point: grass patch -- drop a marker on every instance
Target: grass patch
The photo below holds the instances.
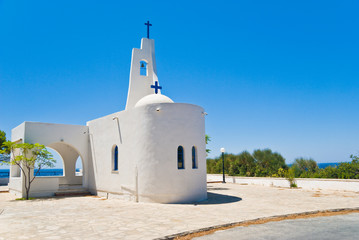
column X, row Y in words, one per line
column 20, row 199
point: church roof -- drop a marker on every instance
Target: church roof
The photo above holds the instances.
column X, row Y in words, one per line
column 153, row 98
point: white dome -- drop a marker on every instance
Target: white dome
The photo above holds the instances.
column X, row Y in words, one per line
column 153, row 98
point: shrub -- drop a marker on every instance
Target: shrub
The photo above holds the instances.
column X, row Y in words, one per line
column 290, row 176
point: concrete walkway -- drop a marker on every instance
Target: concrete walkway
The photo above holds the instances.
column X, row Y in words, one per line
column 97, row 218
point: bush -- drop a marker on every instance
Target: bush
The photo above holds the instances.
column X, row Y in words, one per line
column 290, row 176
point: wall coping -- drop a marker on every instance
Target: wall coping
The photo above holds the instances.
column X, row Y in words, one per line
column 297, row 179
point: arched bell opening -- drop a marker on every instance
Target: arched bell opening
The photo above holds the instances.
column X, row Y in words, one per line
column 143, row 68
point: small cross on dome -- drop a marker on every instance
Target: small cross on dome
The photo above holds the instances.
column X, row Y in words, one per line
column 156, row 87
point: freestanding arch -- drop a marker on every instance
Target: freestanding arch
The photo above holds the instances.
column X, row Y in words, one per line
column 69, row 155
column 70, row 141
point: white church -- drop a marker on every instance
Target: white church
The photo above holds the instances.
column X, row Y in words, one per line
column 153, row 151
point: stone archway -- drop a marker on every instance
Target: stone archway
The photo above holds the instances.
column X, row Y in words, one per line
column 69, row 155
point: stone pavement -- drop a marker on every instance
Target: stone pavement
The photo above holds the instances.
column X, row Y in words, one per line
column 343, row 227
column 97, row 218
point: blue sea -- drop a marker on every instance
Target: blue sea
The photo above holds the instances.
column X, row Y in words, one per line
column 4, row 173
column 322, row 165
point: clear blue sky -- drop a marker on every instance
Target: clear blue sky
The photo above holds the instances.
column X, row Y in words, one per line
column 270, row 74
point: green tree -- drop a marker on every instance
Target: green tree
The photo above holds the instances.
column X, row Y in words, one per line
column 268, row 162
column 3, row 157
column 2, row 138
column 349, row 170
column 28, row 157
column 208, row 139
column 305, row 167
column 242, row 164
column 328, row 172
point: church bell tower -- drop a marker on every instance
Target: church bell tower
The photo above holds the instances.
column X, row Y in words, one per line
column 143, row 74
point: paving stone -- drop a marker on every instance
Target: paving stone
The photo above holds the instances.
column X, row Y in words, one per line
column 94, row 218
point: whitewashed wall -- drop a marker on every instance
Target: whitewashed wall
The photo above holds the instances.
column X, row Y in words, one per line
column 148, row 137
column 304, row 183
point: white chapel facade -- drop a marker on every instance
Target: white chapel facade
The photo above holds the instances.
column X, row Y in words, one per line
column 153, row 151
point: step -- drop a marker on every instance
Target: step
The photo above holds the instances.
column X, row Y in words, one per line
column 82, row 189
column 72, row 193
column 72, row 190
column 70, row 186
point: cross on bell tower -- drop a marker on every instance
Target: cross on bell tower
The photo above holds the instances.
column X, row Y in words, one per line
column 148, row 28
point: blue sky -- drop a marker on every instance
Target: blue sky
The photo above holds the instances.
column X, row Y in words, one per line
column 270, row 74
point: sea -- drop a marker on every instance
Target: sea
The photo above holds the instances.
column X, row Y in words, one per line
column 4, row 173
column 323, row 165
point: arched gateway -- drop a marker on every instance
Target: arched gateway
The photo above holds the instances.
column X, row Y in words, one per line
column 70, row 141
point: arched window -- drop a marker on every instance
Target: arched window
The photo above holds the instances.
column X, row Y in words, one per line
column 194, row 157
column 115, row 158
column 180, row 158
column 143, row 68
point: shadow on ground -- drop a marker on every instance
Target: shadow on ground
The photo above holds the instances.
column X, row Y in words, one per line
column 217, row 188
column 215, row 198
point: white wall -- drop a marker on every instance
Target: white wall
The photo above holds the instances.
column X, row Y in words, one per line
column 15, row 186
column 305, row 183
column 44, row 186
column 162, row 131
column 148, row 141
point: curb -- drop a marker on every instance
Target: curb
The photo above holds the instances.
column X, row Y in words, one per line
column 252, row 221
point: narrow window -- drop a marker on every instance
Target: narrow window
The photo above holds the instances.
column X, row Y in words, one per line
column 115, row 159
column 180, row 159
column 143, row 68
column 194, row 157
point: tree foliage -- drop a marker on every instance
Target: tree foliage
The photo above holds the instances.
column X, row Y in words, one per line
column 268, row 162
column 28, row 157
column 265, row 163
column 3, row 157
column 207, row 139
column 260, row 164
column 2, row 138
column 304, row 167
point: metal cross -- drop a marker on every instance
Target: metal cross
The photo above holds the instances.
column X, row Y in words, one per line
column 156, row 87
column 148, row 28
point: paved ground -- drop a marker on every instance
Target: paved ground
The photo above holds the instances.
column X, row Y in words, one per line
column 320, row 228
column 96, row 218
